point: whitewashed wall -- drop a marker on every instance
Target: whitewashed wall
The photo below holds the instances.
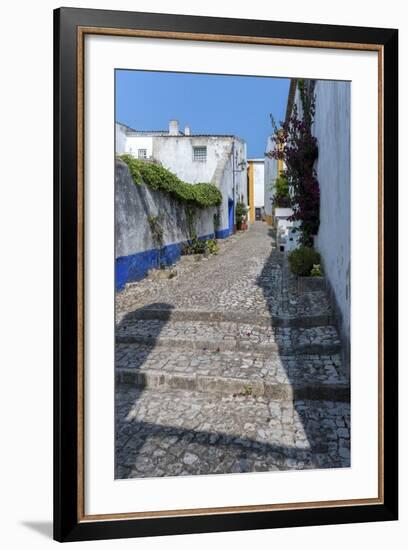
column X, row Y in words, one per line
column 176, row 154
column 270, row 175
column 120, row 138
column 332, row 130
column 135, row 249
column 135, row 203
column 259, row 184
column 226, row 187
column 331, row 127
column 134, row 143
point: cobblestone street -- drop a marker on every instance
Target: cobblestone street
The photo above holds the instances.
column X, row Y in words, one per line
column 228, row 368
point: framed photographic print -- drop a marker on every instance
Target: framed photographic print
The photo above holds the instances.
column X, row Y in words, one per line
column 225, row 274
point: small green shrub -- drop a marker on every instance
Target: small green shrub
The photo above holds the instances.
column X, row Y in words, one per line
column 157, row 177
column 281, row 198
column 212, row 246
column 195, row 246
column 316, row 271
column 200, row 246
column 302, row 259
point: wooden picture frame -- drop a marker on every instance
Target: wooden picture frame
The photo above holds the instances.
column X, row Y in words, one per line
column 70, row 27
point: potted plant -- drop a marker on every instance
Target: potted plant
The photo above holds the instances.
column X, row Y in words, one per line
column 305, row 263
column 240, row 215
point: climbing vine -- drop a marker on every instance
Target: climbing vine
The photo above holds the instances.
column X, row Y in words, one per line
column 202, row 195
column 297, row 147
column 157, row 232
column 191, row 215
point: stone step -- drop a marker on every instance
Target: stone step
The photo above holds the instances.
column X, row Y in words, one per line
column 165, row 314
column 224, row 336
column 178, row 432
column 233, row 373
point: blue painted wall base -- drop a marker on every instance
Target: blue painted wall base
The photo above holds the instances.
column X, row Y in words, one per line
column 223, row 233
column 136, row 266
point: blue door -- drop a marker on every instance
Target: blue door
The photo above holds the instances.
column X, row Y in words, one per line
column 230, row 216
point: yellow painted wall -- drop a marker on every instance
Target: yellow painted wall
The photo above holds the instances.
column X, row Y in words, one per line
column 280, row 166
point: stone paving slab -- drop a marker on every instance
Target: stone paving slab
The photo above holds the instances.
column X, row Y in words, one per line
column 247, row 275
column 227, row 316
column 228, row 336
column 186, row 433
column 282, row 368
column 240, row 371
column 229, row 372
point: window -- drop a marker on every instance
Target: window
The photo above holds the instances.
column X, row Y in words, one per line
column 200, row 154
column 142, row 153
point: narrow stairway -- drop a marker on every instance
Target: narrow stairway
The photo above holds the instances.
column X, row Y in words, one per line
column 201, row 389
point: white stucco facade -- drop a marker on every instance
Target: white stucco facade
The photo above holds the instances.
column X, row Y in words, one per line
column 225, row 164
column 331, row 127
column 127, row 141
column 259, row 183
column 332, row 130
column 120, row 138
column 217, row 159
column 176, row 153
column 270, row 175
column 140, row 146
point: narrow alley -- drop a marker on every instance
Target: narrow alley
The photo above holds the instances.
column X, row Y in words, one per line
column 227, row 367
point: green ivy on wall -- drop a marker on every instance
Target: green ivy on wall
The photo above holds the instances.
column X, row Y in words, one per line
column 191, row 216
column 203, row 195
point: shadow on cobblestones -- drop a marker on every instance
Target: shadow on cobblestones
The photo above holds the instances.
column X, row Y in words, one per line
column 328, row 438
column 162, row 451
column 140, row 358
column 228, row 369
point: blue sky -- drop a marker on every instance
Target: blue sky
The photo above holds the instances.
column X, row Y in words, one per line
column 210, row 104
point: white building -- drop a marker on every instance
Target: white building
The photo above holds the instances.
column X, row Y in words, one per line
column 287, row 238
column 331, row 127
column 270, row 175
column 194, row 158
column 274, row 167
